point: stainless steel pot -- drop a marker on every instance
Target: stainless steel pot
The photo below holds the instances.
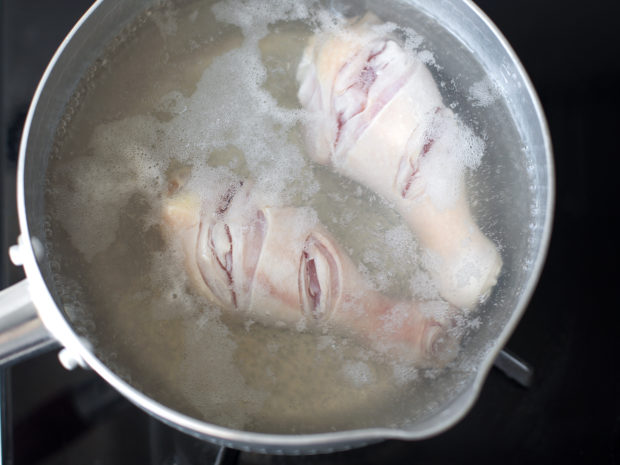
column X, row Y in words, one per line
column 31, row 317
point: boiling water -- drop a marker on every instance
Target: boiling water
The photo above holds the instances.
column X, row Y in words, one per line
column 211, row 87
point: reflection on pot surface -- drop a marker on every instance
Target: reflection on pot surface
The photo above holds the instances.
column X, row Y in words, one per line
column 371, row 199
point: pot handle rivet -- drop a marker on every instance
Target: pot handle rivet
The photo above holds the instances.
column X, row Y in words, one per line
column 15, row 254
column 68, row 360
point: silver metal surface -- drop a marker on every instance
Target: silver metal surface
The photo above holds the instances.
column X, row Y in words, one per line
column 22, row 333
column 81, row 48
column 515, row 368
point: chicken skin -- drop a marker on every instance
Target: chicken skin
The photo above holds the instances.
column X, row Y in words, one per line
column 279, row 266
column 375, row 115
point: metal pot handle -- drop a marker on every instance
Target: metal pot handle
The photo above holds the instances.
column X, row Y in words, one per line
column 22, row 333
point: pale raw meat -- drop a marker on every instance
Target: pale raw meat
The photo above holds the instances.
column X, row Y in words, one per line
column 376, row 116
column 279, row 266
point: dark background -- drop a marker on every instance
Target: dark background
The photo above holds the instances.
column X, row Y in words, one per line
column 569, row 333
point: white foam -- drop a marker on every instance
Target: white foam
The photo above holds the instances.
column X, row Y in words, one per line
column 456, row 148
column 402, row 244
column 423, row 286
column 122, row 164
column 254, row 17
column 358, row 373
column 483, row 93
column 404, row 374
column 231, row 109
column 426, row 57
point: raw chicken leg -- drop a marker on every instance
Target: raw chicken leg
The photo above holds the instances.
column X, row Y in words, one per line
column 376, row 116
column 279, row 266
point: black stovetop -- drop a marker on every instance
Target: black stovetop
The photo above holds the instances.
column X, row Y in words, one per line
column 571, row 413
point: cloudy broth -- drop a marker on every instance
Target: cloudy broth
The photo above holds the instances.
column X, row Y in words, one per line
column 210, row 88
